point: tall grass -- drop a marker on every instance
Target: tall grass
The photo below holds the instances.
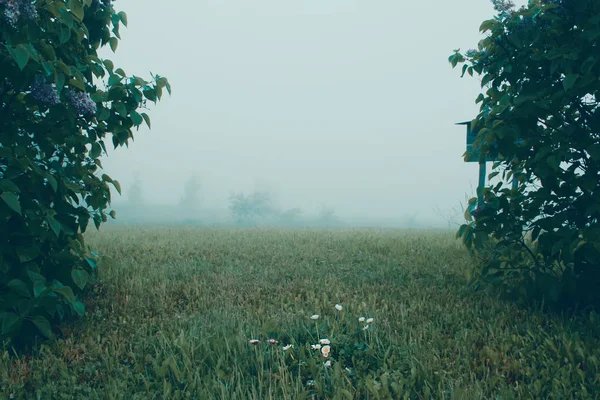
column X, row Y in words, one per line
column 176, row 308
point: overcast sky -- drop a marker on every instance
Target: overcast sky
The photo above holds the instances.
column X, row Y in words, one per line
column 346, row 103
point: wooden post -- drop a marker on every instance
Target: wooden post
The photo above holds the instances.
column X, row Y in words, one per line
column 481, row 184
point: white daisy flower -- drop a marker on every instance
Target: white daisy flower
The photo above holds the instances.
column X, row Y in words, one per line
column 324, row 341
column 315, row 317
column 361, row 319
column 326, row 351
column 338, row 307
column 369, row 320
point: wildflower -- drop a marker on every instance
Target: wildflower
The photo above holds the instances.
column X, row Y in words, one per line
column 324, row 341
column 315, row 317
column 361, row 319
column 338, row 307
column 272, row 341
column 328, row 363
column 43, row 91
column 365, row 327
column 254, row 341
column 287, row 347
column 369, row 320
column 82, row 102
column 315, row 346
column 310, row 383
column 326, row 350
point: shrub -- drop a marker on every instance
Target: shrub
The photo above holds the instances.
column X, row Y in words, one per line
column 59, row 102
column 540, row 120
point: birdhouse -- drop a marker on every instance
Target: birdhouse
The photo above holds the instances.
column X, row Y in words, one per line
column 472, row 153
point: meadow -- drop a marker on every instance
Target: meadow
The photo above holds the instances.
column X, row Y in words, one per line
column 176, row 309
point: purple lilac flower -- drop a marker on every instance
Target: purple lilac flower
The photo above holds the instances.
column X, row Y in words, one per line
column 503, row 6
column 44, row 91
column 13, row 9
column 28, row 9
column 82, row 102
column 11, row 13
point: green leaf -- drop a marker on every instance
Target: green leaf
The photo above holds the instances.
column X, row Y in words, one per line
column 60, row 81
column 54, row 225
column 76, row 7
column 114, row 79
column 39, row 287
column 553, row 161
column 19, row 287
column 147, row 119
column 52, row 181
column 80, row 277
column 594, row 151
column 136, row 118
column 114, row 43
column 21, row 56
column 120, row 108
column 123, row 17
column 11, row 323
column 12, row 201
column 117, row 186
column 42, row 325
column 48, row 68
column 8, row 185
column 27, row 254
column 587, row 65
column 150, row 94
column 96, row 150
column 78, row 84
column 67, row 293
column 91, row 262
column 79, row 308
column 487, row 25
column 461, row 231
column 64, row 68
column 109, row 65
column 64, row 34
column 113, row 214
column 569, row 81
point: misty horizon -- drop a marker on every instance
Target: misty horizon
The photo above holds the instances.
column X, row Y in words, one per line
column 340, row 104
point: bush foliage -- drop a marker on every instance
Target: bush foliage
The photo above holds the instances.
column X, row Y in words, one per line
column 540, row 120
column 59, row 102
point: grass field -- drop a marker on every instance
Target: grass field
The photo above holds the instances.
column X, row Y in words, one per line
column 177, row 308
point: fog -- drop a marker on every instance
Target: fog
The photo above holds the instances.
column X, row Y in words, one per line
column 339, row 106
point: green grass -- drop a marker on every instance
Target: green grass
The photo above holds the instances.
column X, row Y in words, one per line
column 177, row 307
